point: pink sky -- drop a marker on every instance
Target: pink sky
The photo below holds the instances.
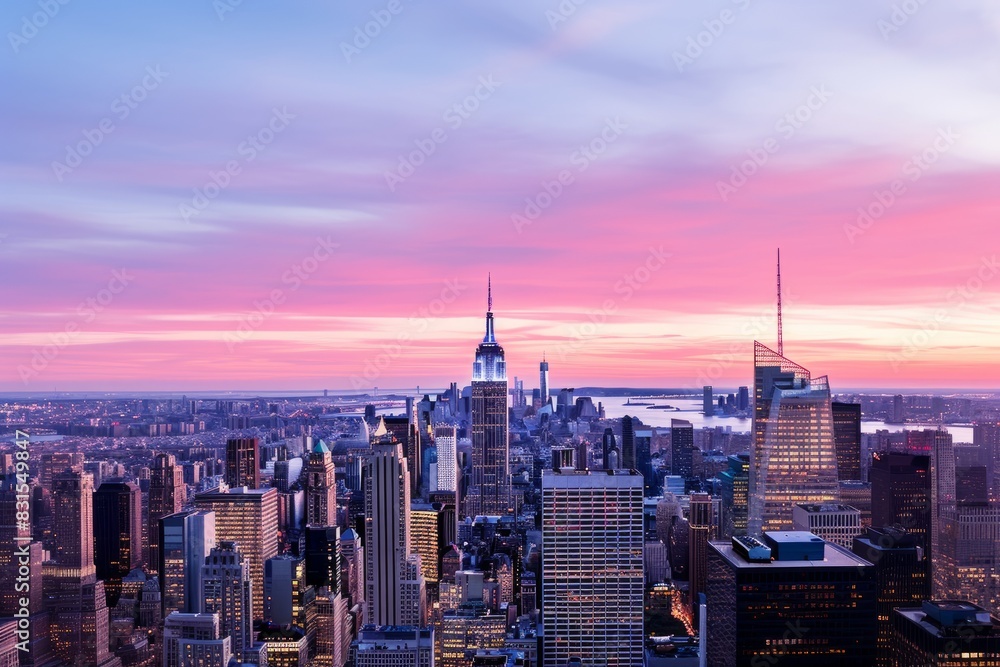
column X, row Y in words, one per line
column 909, row 300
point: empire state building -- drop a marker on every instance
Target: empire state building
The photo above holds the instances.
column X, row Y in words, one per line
column 489, row 493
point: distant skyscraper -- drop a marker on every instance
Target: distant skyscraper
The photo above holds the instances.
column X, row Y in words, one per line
column 321, row 487
column 611, row 456
column 763, row 610
column 735, row 483
column 404, row 429
column 248, row 517
column 447, row 458
column 943, row 506
column 701, row 529
column 794, row 458
column 167, row 495
column 322, row 556
column 490, row 490
column 592, row 568
column 901, row 493
column 847, row 436
column 186, row 538
column 543, row 382
column 900, row 578
column 681, row 446
column 242, row 468
column 743, row 399
column 707, row 404
column 117, row 534
column 226, row 591
column 898, row 413
column 73, row 528
column 986, row 437
column 629, row 458
column 394, row 586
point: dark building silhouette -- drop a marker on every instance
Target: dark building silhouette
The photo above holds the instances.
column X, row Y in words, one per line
column 117, row 535
column 681, row 446
column 629, row 461
column 946, row 632
column 847, row 438
column 762, row 603
column 901, row 493
column 902, row 578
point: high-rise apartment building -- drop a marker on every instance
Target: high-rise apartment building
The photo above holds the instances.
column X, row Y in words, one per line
column 446, row 441
column 681, row 448
column 735, row 483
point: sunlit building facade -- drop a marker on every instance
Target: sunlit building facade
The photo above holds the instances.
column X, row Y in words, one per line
column 248, row 517
column 794, row 457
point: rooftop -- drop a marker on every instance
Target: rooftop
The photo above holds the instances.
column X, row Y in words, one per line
column 826, row 507
column 834, row 556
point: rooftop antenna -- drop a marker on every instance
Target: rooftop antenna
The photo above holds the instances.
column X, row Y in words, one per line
column 489, row 292
column 781, row 344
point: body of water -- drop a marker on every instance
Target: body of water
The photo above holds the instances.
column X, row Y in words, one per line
column 690, row 409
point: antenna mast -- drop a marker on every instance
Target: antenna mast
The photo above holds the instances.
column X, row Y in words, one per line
column 781, row 345
column 489, row 292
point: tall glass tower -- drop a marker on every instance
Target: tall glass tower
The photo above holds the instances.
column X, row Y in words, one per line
column 794, row 457
column 490, row 490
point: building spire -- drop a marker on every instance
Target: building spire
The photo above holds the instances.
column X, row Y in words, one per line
column 781, row 344
column 490, row 336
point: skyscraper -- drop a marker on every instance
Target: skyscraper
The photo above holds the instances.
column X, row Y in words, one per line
column 945, row 633
column 248, row 517
column 242, row 468
column 628, row 448
column 681, row 444
column 847, row 436
column 186, row 538
column 447, row 458
column 321, row 487
column 900, row 578
column 227, row 592
column 763, row 604
column 794, row 458
column 901, row 493
column 167, row 495
column 943, row 505
column 735, row 483
column 490, row 490
column 75, row 598
column 117, row 534
column 707, row 404
column 543, row 382
column 701, row 529
column 394, row 585
column 592, row 567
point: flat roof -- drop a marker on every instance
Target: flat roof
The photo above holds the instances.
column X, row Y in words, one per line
column 834, row 556
column 826, row 507
column 793, row 536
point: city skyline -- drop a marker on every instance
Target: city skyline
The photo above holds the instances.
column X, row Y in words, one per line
column 651, row 112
